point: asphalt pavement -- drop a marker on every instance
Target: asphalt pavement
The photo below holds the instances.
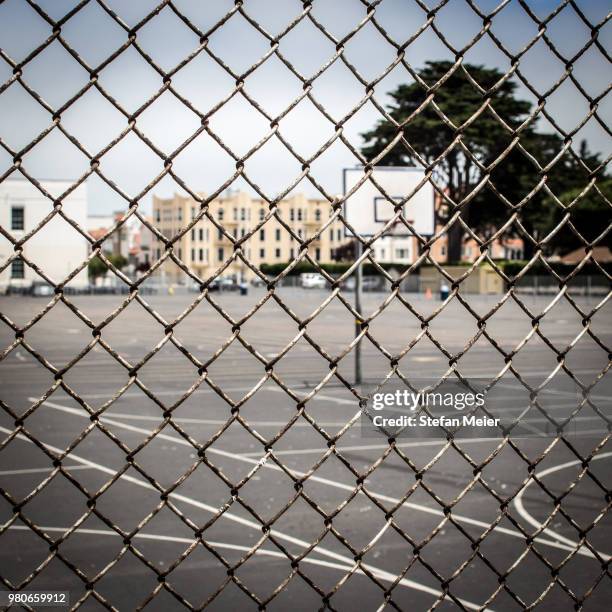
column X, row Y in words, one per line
column 201, row 461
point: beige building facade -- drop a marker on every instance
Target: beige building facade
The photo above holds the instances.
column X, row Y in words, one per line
column 204, row 248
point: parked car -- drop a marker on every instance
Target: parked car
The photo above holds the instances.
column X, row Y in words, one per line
column 213, row 286
column 227, row 283
column 258, row 282
column 312, row 280
column 368, row 283
column 41, row 289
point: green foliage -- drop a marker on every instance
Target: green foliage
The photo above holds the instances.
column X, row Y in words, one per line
column 334, row 269
column 97, row 267
column 590, row 215
column 510, row 268
column 458, row 99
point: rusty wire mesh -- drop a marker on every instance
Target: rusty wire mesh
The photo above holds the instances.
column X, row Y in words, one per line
column 413, row 548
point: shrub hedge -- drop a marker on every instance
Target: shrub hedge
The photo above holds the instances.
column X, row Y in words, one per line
column 511, row 268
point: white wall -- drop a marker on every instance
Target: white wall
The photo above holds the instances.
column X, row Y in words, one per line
column 57, row 248
column 95, row 222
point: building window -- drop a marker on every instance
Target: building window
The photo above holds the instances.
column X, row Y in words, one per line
column 511, row 253
column 235, row 232
column 331, row 235
column 292, row 214
column 220, row 234
column 192, row 254
column 158, row 253
column 201, row 234
column 278, row 235
column 207, row 235
column 299, row 214
column 201, row 254
column 17, row 218
column 179, row 214
column 383, row 254
column 299, row 232
column 317, row 214
column 18, row 268
column 401, row 253
column 193, row 212
column 180, row 253
column 262, row 214
column 192, row 235
column 291, row 253
column 220, row 254
column 318, row 254
column 262, row 234
column 443, row 250
column 277, row 253
column 242, row 232
column 262, row 253
column 220, row 214
column 339, row 235
column 243, row 214
column 235, row 214
column 158, row 216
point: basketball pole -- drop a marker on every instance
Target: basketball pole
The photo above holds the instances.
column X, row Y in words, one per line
column 358, row 321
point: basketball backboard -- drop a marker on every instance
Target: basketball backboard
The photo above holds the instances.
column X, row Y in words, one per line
column 367, row 210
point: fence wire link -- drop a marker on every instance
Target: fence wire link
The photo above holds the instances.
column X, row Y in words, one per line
column 414, row 549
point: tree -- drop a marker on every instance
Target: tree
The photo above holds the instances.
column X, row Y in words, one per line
column 514, row 176
column 97, row 267
column 570, row 175
column 590, row 215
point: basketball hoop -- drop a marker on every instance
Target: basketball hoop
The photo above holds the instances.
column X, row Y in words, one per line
column 370, row 205
column 397, row 228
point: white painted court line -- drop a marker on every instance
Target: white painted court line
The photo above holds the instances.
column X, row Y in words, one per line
column 327, row 398
column 325, row 481
column 180, row 540
column 42, row 469
column 205, row 391
column 382, row 574
column 365, row 447
column 520, row 507
column 331, row 398
column 19, row 355
column 144, row 417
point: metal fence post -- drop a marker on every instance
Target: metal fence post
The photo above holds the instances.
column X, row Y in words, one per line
column 358, row 289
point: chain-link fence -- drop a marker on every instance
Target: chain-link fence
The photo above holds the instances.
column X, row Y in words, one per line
column 501, row 169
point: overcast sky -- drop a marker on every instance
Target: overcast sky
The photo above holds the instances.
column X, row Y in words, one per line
column 56, row 76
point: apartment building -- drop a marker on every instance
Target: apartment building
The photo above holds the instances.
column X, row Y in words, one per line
column 205, row 248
